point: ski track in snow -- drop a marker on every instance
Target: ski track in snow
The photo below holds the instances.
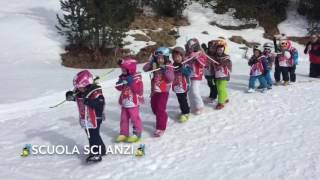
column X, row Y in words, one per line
column 270, row 136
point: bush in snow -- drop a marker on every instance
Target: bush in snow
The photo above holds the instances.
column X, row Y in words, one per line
column 268, row 13
column 95, row 24
column 170, row 8
column 310, row 9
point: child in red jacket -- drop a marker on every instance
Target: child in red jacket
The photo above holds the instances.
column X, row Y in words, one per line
column 131, row 86
column 181, row 82
column 198, row 64
column 161, row 82
column 90, row 101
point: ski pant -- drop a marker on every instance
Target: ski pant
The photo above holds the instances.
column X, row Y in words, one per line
column 183, row 102
column 314, row 70
column 132, row 114
column 213, row 89
column 268, row 78
column 159, row 107
column 285, row 74
column 292, row 73
column 262, row 80
column 222, row 91
column 195, row 96
column 96, row 140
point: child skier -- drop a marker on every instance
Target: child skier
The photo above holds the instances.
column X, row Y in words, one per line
column 284, row 61
column 222, row 73
column 193, row 49
column 181, row 82
column 267, row 52
column 209, row 72
column 131, row 86
column 90, row 101
column 258, row 64
column 286, row 46
column 161, row 82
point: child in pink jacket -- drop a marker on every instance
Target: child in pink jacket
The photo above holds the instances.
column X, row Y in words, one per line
column 131, row 86
column 160, row 86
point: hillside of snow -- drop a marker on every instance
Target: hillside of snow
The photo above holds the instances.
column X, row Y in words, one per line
column 266, row 136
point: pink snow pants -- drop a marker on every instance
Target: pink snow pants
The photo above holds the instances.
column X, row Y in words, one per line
column 132, row 114
column 159, row 107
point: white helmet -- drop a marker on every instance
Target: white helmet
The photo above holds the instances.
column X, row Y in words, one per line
column 268, row 45
column 257, row 47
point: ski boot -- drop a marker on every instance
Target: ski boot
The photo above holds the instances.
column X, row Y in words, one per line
column 121, row 138
column 198, row 111
column 251, row 90
column 219, row 106
column 133, row 139
column 184, row 118
column 94, row 158
column 278, row 83
column 158, row 133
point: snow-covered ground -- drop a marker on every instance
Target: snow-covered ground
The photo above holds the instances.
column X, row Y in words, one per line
column 294, row 19
column 270, row 136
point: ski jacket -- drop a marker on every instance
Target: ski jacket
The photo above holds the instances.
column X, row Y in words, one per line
column 91, row 106
column 131, row 94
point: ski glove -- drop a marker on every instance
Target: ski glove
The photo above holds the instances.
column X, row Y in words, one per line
column 70, row 96
column 129, row 80
column 186, row 71
column 119, row 82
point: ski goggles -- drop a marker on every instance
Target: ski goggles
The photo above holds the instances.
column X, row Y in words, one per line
column 284, row 44
column 158, row 53
column 267, row 49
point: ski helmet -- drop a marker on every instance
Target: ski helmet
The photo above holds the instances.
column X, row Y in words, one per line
column 162, row 51
column 257, row 47
column 128, row 63
column 220, row 43
column 192, row 45
column 285, row 44
column 179, row 50
column 83, row 79
column 268, row 46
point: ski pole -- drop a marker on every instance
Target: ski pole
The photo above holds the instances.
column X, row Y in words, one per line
column 95, row 80
column 86, row 121
column 103, row 75
column 62, row 102
column 211, row 59
column 117, row 85
column 187, row 60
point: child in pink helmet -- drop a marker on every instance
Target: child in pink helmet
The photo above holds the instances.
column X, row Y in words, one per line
column 131, row 86
column 90, row 101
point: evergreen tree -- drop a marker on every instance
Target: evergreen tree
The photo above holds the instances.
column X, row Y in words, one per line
column 73, row 24
column 170, row 8
column 311, row 9
column 96, row 24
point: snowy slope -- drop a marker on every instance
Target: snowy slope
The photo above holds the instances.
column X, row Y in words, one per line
column 267, row 136
column 294, row 19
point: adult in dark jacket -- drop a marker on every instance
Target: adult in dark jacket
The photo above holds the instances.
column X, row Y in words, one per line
column 313, row 49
